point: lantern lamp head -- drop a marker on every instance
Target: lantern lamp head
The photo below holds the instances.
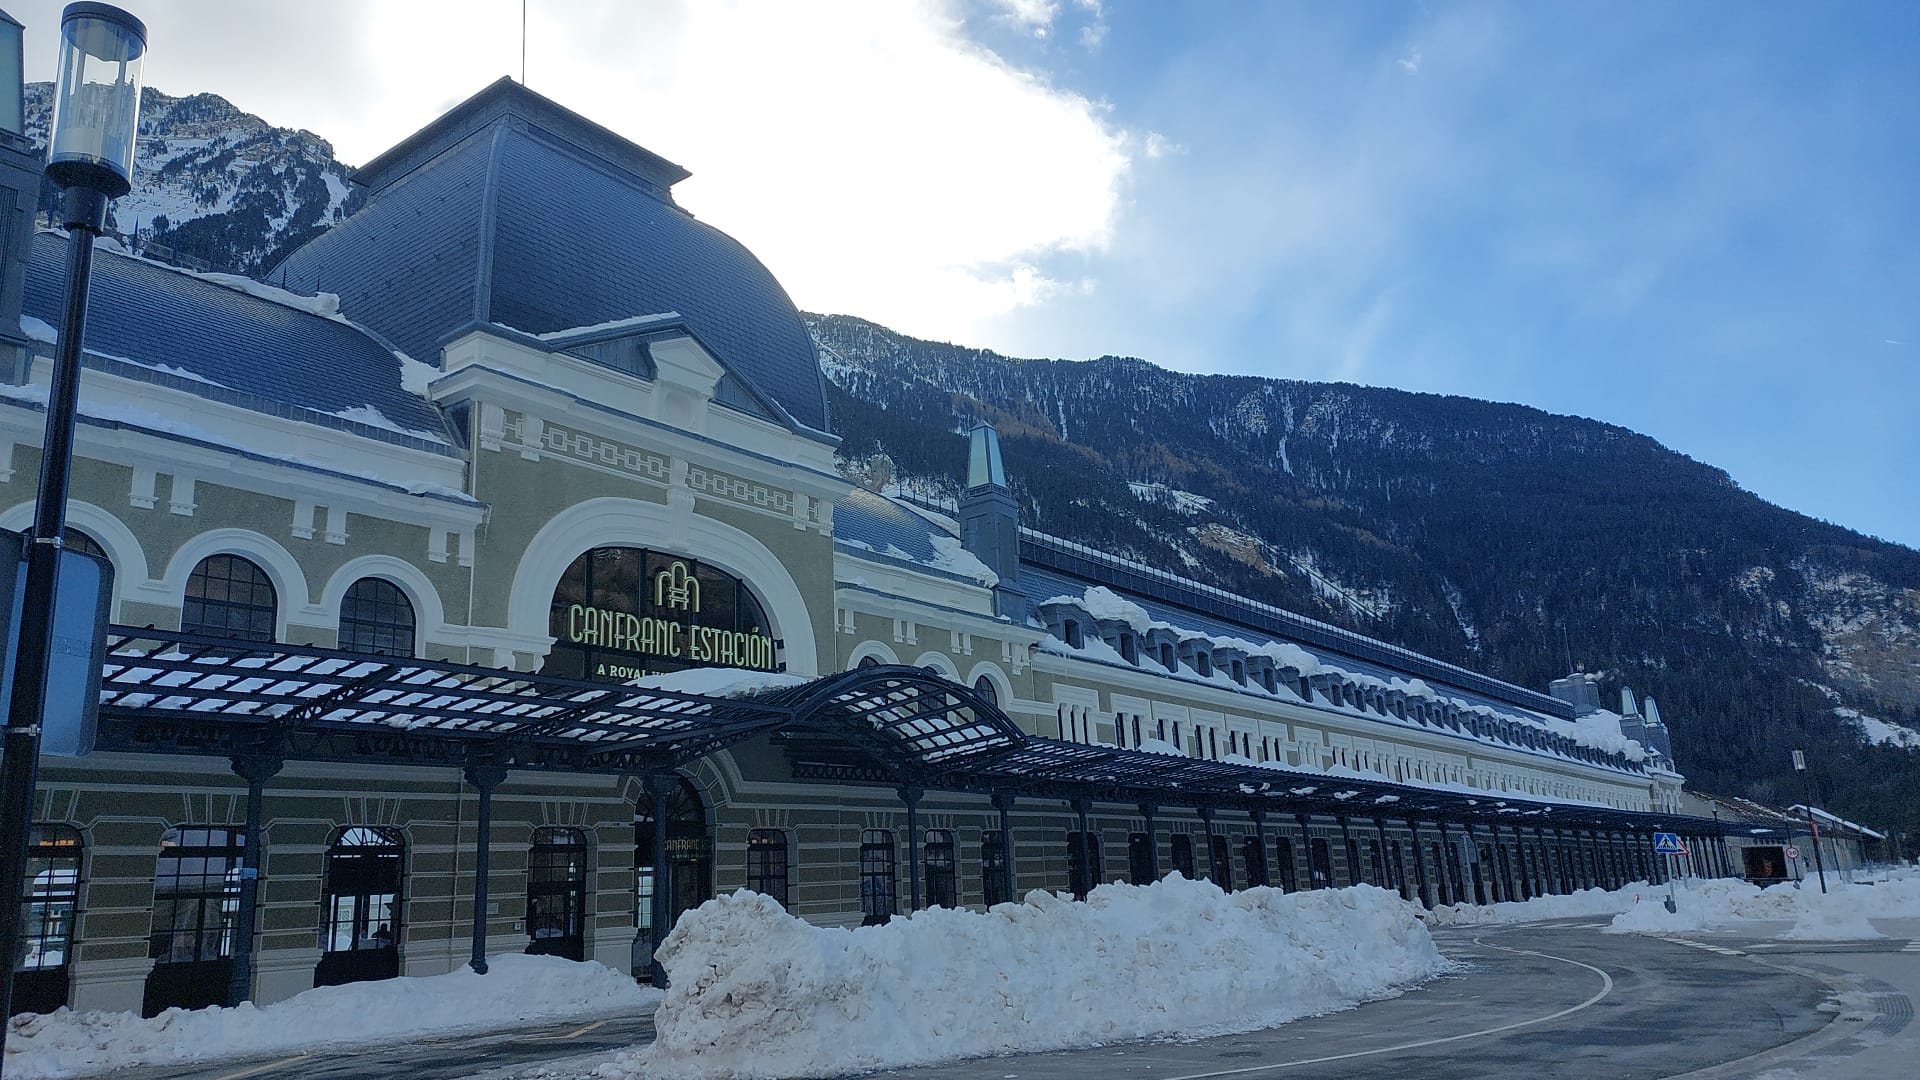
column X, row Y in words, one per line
column 96, row 100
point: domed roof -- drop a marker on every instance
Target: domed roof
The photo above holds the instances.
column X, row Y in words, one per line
column 513, row 210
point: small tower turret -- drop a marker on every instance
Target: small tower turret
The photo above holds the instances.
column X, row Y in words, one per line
column 990, row 521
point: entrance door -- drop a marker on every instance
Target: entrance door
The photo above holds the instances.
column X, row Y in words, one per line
column 196, row 897
column 41, row 979
column 360, row 916
column 688, row 877
column 557, row 893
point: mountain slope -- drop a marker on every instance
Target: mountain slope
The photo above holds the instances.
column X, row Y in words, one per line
column 216, row 188
column 1499, row 536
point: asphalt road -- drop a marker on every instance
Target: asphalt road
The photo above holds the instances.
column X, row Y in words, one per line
column 1555, row 1000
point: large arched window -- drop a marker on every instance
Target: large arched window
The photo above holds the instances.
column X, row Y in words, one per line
column 993, row 868
column 229, row 597
column 42, row 977
column 878, row 884
column 376, row 617
column 942, row 888
column 767, row 864
column 1182, row 847
column 557, row 893
column 85, row 545
column 360, row 917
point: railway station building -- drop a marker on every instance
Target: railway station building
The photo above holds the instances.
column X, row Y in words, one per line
column 487, row 585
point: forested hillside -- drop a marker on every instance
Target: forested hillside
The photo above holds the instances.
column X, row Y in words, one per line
column 1498, row 536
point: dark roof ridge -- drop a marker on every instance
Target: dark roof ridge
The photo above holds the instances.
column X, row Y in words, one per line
column 503, row 99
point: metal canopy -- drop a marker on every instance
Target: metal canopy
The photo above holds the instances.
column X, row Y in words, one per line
column 171, row 692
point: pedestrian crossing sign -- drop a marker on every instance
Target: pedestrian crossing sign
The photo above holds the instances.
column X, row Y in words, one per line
column 1666, row 843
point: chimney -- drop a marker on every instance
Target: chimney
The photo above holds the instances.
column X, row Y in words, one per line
column 990, row 521
column 1578, row 690
column 20, row 169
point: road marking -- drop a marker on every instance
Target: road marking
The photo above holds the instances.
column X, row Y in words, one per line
column 1606, row 987
column 574, row 1034
column 266, row 1068
column 1911, row 946
column 1707, row 945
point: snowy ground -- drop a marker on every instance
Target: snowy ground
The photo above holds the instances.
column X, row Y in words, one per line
column 516, row 990
column 758, row 993
column 1842, row 913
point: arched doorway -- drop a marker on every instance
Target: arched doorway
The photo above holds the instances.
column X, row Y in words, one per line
column 360, row 913
column 688, row 876
column 557, row 893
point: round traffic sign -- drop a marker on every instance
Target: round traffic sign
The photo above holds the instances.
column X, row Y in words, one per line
column 1793, row 853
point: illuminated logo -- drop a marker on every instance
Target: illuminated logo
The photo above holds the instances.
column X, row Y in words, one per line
column 676, row 587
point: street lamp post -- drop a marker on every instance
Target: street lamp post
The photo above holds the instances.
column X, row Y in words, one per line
column 1813, row 827
column 96, row 111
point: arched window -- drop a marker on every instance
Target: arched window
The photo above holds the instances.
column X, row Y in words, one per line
column 229, row 597
column 557, row 893
column 942, row 888
column 42, row 977
column 878, row 884
column 1283, row 856
column 376, row 617
column 360, row 915
column 869, row 661
column 985, row 688
column 767, row 864
column 85, row 545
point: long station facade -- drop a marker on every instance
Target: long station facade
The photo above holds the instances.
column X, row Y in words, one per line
column 487, row 585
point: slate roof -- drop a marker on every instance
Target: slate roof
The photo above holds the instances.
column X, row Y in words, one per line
column 513, row 210
column 258, row 353
column 881, row 523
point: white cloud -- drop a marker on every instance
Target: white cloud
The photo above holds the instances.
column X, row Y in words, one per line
column 877, row 160
column 1036, row 16
column 1410, row 63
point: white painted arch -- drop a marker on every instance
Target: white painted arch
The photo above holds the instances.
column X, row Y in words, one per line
column 938, row 663
column 616, row 522
column 429, row 614
column 122, row 547
column 289, row 580
column 879, row 652
column 1002, row 686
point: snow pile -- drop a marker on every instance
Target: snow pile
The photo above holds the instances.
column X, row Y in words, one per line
column 1840, row 914
column 722, row 682
column 1585, row 903
column 518, row 990
column 757, row 992
column 949, row 555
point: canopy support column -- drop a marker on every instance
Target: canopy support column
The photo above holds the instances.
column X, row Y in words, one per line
column 659, row 786
column 1206, row 830
column 1420, row 866
column 910, row 795
column 256, row 770
column 484, row 779
column 1003, row 802
column 1084, row 845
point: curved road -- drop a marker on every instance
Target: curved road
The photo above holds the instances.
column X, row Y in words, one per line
column 1554, row 1000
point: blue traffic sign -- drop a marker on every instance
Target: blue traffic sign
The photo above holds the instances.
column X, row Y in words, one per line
column 1666, row 843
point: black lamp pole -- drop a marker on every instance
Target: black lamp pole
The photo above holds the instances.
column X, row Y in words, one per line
column 99, row 78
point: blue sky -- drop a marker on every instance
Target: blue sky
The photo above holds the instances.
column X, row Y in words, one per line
column 1694, row 220
column 1698, row 221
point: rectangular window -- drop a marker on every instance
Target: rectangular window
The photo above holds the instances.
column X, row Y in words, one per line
column 767, row 864
column 1255, row 857
column 993, row 867
column 1183, row 855
column 196, row 894
column 1139, row 859
column 878, row 883
column 1283, row 855
column 1321, row 856
column 1083, row 863
column 1222, row 863
column 941, row 884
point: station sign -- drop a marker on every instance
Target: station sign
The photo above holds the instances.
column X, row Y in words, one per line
column 622, row 613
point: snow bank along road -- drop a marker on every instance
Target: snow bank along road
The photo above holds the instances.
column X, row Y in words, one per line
column 1560, row 1000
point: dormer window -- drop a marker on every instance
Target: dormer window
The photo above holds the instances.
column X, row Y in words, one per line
column 1167, row 659
column 1128, row 651
column 1240, row 672
column 1267, row 680
column 1203, row 664
column 627, row 355
column 1071, row 628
